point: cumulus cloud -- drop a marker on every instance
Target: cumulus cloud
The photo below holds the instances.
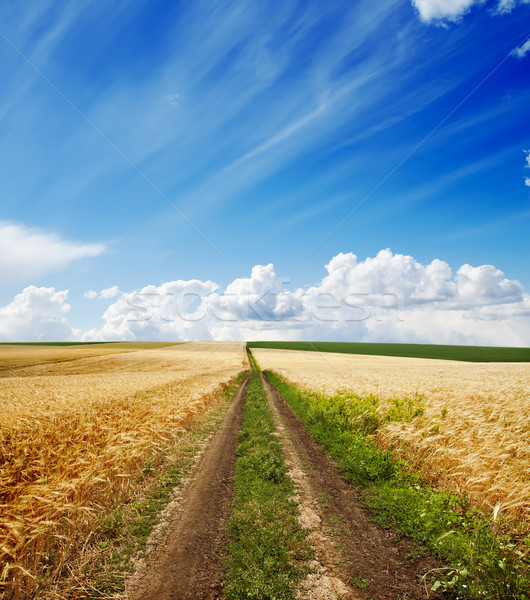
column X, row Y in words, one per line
column 484, row 286
column 37, row 314
column 29, row 253
column 105, row 294
column 172, row 311
column 454, row 10
column 388, row 297
column 110, row 292
column 450, row 10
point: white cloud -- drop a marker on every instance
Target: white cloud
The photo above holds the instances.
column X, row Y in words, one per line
column 172, row 311
column 173, row 99
column 453, row 10
column 110, row 292
column 37, row 314
column 439, row 10
column 105, row 294
column 522, row 50
column 527, row 181
column 29, row 253
column 485, row 285
column 506, row 6
column 389, row 297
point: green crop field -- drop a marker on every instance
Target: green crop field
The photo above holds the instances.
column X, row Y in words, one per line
column 469, row 353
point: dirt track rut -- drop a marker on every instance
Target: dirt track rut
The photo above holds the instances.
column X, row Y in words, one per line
column 186, row 564
column 349, row 547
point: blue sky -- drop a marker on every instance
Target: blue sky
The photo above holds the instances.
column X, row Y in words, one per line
column 161, row 141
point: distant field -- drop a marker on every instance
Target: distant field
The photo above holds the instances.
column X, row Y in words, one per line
column 52, row 343
column 139, row 344
column 469, row 353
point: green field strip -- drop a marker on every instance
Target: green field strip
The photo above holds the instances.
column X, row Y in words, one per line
column 463, row 353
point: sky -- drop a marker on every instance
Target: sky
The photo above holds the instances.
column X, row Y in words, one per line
column 241, row 170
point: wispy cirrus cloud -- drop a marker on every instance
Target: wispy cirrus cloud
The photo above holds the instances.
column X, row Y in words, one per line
column 522, row 50
column 506, row 6
column 229, row 74
column 29, row 253
column 219, row 155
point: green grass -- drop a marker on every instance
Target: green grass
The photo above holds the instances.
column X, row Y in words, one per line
column 469, row 353
column 481, row 562
column 253, row 364
column 268, row 549
column 359, row 582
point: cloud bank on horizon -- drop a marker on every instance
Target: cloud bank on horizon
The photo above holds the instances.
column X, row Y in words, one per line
column 389, row 298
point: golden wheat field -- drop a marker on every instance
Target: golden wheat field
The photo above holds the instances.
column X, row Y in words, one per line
column 474, row 436
column 76, row 423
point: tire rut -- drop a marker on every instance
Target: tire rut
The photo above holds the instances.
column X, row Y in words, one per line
column 186, row 564
column 323, row 583
column 348, row 545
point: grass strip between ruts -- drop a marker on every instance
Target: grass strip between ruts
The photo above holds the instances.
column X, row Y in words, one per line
column 268, row 549
column 253, row 363
column 481, row 561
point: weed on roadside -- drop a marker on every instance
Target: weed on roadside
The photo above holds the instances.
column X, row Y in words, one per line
column 359, row 582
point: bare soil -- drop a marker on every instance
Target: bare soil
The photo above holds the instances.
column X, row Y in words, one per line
column 187, row 563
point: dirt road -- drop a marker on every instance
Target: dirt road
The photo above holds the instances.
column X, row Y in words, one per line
column 354, row 558
column 186, row 564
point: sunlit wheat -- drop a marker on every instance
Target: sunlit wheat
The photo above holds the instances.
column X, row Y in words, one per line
column 77, row 428
column 474, row 436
